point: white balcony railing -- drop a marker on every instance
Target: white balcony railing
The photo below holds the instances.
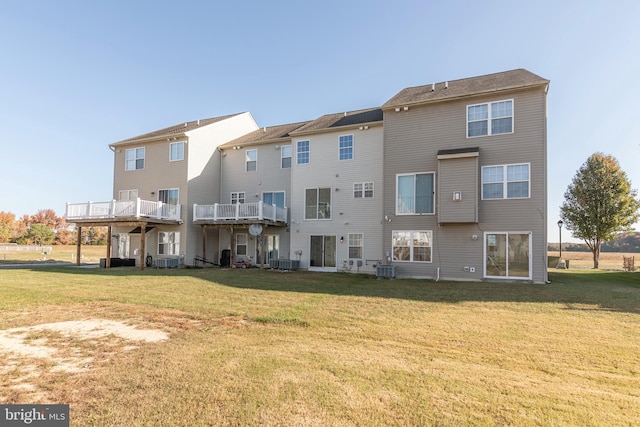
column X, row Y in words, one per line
column 119, row 209
column 239, row 211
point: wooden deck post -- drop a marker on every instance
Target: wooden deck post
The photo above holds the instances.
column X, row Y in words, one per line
column 108, row 261
column 78, row 251
column 204, row 242
column 143, row 238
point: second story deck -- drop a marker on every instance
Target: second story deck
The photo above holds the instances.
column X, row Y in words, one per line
column 240, row 213
column 123, row 210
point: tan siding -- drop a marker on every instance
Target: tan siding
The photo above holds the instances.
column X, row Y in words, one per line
column 458, row 175
column 412, row 140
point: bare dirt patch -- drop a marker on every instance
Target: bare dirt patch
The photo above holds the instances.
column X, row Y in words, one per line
column 68, row 347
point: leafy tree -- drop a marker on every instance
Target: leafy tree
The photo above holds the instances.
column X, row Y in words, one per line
column 40, row 234
column 7, row 227
column 599, row 203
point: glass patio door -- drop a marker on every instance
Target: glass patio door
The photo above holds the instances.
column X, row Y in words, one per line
column 508, row 255
column 323, row 253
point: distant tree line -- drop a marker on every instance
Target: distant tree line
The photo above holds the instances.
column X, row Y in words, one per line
column 624, row 242
column 46, row 228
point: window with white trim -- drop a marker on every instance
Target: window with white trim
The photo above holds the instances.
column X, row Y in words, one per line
column 285, row 156
column 412, row 245
column 176, row 151
column 169, row 196
column 303, row 152
column 168, row 243
column 127, row 195
column 237, row 197
column 273, row 198
column 346, row 147
column 415, row 193
column 251, row 160
column 505, row 182
column 317, row 203
column 362, row 190
column 134, row 158
column 356, row 245
column 241, row 244
column 490, row 119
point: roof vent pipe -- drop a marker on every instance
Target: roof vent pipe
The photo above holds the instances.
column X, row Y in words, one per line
column 198, row 122
column 264, row 129
column 345, row 114
column 433, row 87
column 446, row 85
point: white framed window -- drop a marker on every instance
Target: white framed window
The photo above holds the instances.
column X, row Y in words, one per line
column 168, row 243
column 490, row 119
column 356, row 245
column 507, row 254
column 127, row 195
column 251, row 160
column 176, row 151
column 169, row 196
column 285, row 156
column 412, row 245
column 317, row 203
column 362, row 190
column 415, row 193
column 303, row 153
column 274, row 198
column 134, row 158
column 346, row 147
column 506, row 182
column 237, row 197
column 241, row 244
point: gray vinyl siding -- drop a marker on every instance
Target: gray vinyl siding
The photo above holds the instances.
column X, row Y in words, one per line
column 458, row 175
column 412, row 140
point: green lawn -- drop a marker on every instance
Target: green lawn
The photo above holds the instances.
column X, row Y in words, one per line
column 251, row 347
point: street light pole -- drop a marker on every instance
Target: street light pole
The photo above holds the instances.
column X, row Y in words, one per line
column 560, row 233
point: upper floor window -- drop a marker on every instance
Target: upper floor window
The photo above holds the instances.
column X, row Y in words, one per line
column 412, row 246
column 285, row 156
column 176, row 151
column 490, row 119
column 126, row 195
column 505, row 181
column 251, row 160
column 356, row 245
column 303, row 152
column 237, row 197
column 169, row 196
column 346, row 147
column 274, row 198
column 362, row 190
column 317, row 203
column 134, row 158
column 415, row 193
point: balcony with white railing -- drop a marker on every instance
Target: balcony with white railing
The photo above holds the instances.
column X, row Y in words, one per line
column 239, row 212
column 122, row 209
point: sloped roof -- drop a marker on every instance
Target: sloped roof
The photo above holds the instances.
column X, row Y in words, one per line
column 265, row 135
column 505, row 80
column 348, row 118
column 179, row 129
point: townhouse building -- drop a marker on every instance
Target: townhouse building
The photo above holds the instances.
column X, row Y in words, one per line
column 443, row 181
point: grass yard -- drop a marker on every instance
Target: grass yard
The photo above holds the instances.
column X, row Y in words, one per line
column 59, row 253
column 251, row 347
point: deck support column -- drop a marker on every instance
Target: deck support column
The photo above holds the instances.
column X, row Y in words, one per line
column 108, row 260
column 204, row 242
column 79, row 243
column 143, row 238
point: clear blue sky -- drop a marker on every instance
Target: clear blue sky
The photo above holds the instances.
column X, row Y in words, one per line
column 78, row 75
